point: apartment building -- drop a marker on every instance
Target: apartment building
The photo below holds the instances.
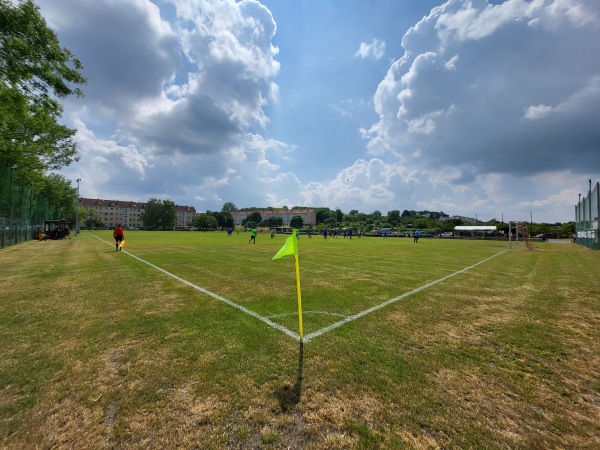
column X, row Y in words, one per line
column 128, row 213
column 309, row 216
column 185, row 215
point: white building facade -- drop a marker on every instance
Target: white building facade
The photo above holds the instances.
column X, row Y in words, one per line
column 308, row 215
column 128, row 213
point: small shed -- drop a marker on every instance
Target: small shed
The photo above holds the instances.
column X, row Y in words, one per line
column 54, row 229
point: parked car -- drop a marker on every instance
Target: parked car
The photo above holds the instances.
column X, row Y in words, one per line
column 447, row 234
column 545, row 236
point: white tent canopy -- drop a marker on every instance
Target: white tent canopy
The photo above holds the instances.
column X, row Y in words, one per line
column 475, row 228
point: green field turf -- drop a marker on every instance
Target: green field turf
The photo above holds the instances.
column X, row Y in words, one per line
column 340, row 277
column 190, row 340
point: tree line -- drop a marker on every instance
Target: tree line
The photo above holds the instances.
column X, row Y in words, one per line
column 162, row 215
column 36, row 74
column 435, row 221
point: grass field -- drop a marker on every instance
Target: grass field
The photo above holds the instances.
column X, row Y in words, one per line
column 190, row 340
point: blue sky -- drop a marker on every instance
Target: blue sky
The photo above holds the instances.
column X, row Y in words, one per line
column 474, row 108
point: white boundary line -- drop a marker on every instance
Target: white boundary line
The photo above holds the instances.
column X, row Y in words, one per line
column 322, row 331
column 305, row 313
column 333, row 326
column 281, row 328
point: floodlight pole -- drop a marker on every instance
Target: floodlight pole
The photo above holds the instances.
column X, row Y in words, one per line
column 77, row 209
column 589, row 202
column 336, row 225
column 578, row 220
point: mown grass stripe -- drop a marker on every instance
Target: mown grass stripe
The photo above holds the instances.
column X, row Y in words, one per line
column 333, row 326
column 212, row 294
column 317, row 333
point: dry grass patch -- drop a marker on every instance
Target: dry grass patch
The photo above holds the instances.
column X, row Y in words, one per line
column 486, row 402
column 516, row 421
column 104, row 351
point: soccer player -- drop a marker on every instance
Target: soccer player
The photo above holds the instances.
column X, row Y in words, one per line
column 119, row 235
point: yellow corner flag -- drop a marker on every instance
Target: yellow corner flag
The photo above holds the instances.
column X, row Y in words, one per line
column 291, row 248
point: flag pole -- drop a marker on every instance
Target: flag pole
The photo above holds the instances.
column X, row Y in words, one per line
column 291, row 247
column 299, row 295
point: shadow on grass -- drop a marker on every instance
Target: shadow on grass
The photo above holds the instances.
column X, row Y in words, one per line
column 289, row 396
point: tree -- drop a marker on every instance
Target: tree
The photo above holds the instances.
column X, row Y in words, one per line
column 362, row 217
column 205, row 221
column 151, row 214
column 168, row 216
column 393, row 216
column 567, row 230
column 31, row 141
column 254, row 217
column 227, row 218
column 451, row 223
column 330, row 222
column 297, row 222
column 217, row 216
column 272, row 221
column 224, row 219
column 91, row 218
column 35, row 73
column 33, row 59
column 423, row 223
column 61, row 195
column 322, row 214
column 228, row 207
column 159, row 215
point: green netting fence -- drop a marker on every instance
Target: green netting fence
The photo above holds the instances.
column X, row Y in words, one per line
column 587, row 212
column 22, row 209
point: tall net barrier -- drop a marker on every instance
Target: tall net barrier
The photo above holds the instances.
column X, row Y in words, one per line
column 22, row 209
column 587, row 212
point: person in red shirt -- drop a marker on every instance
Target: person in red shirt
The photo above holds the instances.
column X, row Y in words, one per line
column 119, row 236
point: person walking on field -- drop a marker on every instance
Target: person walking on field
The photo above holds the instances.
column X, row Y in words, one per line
column 417, row 236
column 119, row 236
column 252, row 236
